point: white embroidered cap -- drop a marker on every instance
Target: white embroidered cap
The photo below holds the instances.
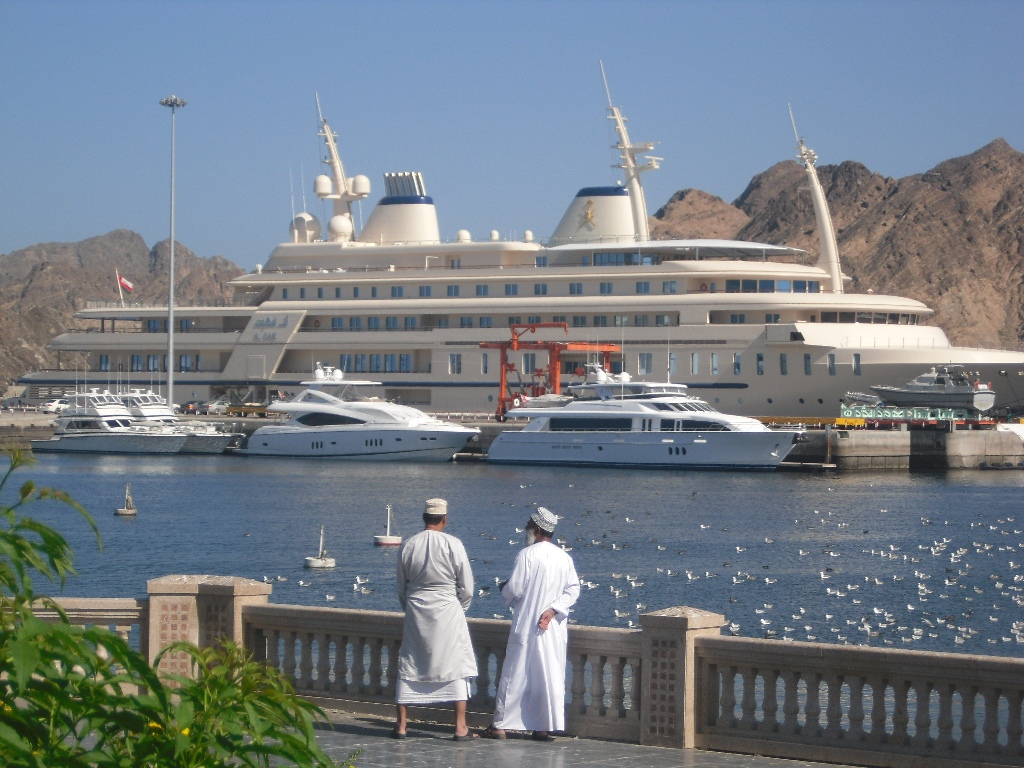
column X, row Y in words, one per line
column 545, row 519
column 436, row 507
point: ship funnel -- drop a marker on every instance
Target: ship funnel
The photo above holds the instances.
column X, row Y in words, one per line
column 597, row 215
column 405, row 215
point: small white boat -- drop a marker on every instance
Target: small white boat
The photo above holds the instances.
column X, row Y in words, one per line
column 387, row 540
column 128, row 510
column 321, row 560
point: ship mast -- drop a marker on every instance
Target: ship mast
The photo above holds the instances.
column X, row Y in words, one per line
column 629, row 151
column 342, row 191
column 828, row 256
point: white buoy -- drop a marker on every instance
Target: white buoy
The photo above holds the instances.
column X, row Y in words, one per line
column 387, row 540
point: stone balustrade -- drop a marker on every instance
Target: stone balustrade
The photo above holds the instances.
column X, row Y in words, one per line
column 675, row 682
column 868, row 706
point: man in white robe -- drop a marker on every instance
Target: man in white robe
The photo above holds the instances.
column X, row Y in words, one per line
column 435, row 587
column 542, row 589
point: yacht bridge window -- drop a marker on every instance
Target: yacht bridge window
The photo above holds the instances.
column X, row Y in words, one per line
column 327, row 420
column 590, row 424
column 691, row 425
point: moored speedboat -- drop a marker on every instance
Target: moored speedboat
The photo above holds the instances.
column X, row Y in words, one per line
column 614, row 421
column 348, row 425
column 948, row 386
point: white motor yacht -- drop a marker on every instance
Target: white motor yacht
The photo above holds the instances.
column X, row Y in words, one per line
column 98, row 422
column 614, row 421
column 148, row 407
column 348, row 425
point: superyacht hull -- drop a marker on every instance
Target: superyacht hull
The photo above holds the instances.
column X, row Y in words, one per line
column 712, row 450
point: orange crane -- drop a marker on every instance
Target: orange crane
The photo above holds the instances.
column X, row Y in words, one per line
column 551, row 375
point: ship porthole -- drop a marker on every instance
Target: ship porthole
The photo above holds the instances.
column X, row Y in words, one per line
column 769, row 400
column 820, row 401
column 801, row 401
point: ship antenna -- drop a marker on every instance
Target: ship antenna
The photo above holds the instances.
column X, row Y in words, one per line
column 291, row 189
column 340, row 192
column 828, row 257
column 629, row 152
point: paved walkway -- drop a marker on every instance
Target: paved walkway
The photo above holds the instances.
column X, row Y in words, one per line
column 430, row 745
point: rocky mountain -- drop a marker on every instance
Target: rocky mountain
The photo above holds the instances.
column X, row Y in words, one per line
column 42, row 286
column 952, row 237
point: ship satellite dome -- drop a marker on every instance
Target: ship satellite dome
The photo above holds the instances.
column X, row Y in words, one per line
column 323, row 186
column 337, row 374
column 318, row 374
column 340, row 227
column 494, row 235
column 305, row 228
column 259, row 269
column 528, row 236
column 463, row 236
column 359, row 185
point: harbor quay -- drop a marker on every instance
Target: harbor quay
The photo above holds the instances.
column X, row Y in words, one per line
column 674, row 686
column 829, row 444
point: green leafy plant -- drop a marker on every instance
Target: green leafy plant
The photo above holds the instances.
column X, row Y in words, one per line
column 80, row 696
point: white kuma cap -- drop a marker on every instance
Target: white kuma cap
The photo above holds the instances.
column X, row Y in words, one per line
column 436, row 507
column 545, row 519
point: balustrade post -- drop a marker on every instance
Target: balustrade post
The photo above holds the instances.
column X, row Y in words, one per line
column 202, row 610
column 669, row 677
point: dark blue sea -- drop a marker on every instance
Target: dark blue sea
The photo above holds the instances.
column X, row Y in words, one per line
column 918, row 561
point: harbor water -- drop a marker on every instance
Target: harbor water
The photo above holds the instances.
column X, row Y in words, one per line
column 916, row 561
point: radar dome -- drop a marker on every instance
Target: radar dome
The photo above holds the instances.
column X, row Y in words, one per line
column 340, row 227
column 360, row 185
column 305, row 228
column 463, row 236
column 323, row 186
column 494, row 235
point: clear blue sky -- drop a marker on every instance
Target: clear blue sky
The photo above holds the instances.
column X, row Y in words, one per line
column 499, row 104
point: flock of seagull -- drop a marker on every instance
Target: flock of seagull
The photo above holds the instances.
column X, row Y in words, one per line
column 820, row 576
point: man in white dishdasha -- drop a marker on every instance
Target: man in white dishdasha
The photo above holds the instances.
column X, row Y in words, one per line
column 542, row 589
column 435, row 587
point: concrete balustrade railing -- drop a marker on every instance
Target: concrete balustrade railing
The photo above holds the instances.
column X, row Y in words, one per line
column 867, row 706
column 675, row 682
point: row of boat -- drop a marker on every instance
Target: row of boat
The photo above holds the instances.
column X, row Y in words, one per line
column 134, row 422
column 604, row 420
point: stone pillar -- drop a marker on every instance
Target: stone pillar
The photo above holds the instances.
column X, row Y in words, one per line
column 201, row 610
column 667, row 695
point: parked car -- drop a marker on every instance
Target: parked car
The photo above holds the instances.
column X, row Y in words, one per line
column 214, row 408
column 57, row 406
column 192, row 407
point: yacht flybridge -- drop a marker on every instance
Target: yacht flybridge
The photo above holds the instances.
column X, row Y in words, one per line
column 752, row 328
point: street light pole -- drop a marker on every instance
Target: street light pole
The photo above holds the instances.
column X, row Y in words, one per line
column 174, row 103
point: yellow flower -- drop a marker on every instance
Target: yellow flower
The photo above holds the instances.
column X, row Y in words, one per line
column 155, row 726
column 184, row 731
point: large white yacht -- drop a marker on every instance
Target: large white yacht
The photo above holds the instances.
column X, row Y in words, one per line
column 345, row 424
column 612, row 420
column 746, row 325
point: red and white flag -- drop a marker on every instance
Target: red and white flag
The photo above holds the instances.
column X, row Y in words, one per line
column 124, row 283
